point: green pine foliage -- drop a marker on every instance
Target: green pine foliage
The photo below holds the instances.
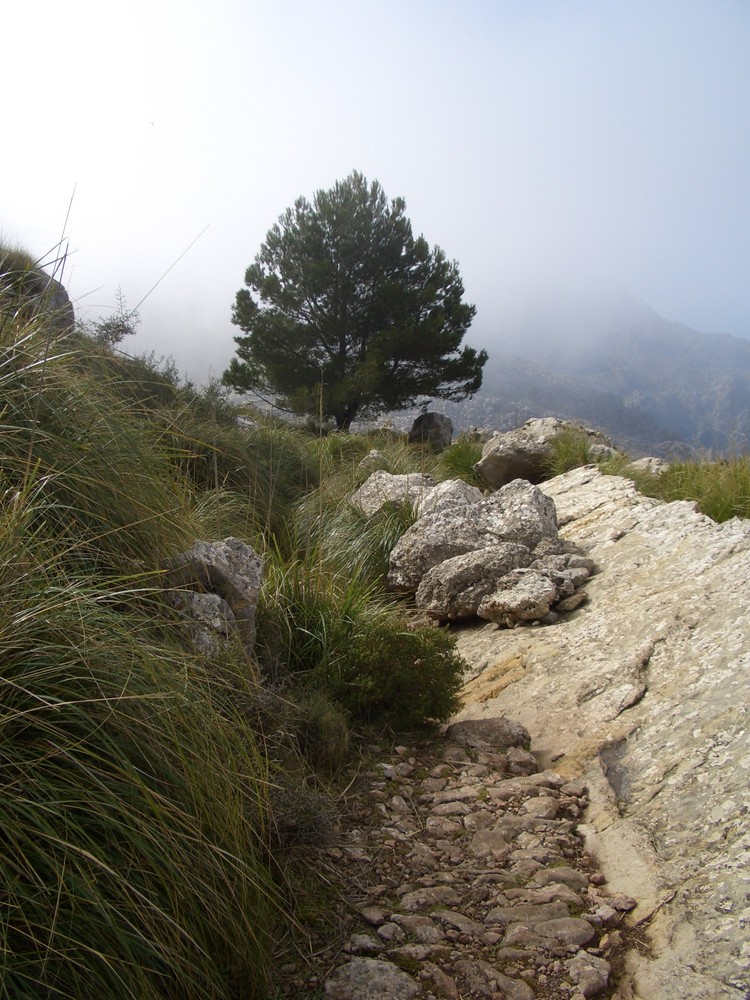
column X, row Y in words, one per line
column 346, row 314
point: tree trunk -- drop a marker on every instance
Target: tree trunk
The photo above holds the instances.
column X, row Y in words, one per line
column 344, row 420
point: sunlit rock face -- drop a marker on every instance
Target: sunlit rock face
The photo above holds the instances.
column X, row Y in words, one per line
column 642, row 692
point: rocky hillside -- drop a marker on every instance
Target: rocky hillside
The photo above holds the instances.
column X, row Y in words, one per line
column 642, row 694
column 651, row 384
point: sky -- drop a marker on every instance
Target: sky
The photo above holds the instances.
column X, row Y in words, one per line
column 540, row 143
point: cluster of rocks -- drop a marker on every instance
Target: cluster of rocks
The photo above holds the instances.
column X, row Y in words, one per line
column 496, row 557
column 468, row 879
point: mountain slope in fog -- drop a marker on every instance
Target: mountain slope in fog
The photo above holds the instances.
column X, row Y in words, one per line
column 612, row 361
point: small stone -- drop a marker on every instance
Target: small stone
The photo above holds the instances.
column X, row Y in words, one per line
column 373, row 915
column 391, row 932
column 590, row 973
column 364, row 944
column 568, row 931
column 423, row 899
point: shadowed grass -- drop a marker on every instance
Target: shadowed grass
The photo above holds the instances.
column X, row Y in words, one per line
column 132, row 812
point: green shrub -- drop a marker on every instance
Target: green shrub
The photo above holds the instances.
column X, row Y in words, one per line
column 396, row 677
column 339, row 635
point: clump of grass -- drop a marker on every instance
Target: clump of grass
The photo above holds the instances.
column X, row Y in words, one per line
column 720, row 488
column 458, row 461
column 568, row 450
column 133, row 804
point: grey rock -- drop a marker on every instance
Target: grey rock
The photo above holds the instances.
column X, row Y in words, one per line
column 664, row 614
column 449, row 494
column 649, row 464
column 522, row 453
column 498, row 732
column 383, row 489
column 487, row 842
column 485, row 980
column 371, row 979
column 430, row 896
column 230, row 569
column 518, row 513
column 209, row 618
column 567, row 876
column 422, row 928
column 432, row 428
column 455, row 588
column 567, row 931
column 589, row 972
column 521, row 595
column 530, row 914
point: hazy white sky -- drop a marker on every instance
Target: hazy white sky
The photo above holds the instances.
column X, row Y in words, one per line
column 531, row 139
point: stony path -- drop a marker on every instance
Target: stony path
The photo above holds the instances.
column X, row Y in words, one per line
column 466, row 878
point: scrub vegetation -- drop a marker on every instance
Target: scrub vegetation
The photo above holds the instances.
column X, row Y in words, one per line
column 151, row 796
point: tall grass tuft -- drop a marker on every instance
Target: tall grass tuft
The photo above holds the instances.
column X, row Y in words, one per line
column 720, row 488
column 568, row 450
column 458, row 461
column 132, row 806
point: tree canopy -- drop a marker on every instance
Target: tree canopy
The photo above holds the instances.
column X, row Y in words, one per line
column 345, row 314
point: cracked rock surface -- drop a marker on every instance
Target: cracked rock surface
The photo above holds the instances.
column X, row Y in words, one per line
column 642, row 693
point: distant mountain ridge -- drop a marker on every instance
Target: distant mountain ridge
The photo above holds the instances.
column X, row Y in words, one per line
column 651, row 384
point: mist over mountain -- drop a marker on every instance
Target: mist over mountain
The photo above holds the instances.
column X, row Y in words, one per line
column 606, row 358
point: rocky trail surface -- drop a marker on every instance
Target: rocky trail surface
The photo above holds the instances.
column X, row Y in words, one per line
column 463, row 876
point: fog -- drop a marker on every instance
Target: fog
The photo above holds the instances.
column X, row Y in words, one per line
column 544, row 145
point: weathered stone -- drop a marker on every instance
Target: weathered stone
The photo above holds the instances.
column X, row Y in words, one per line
column 499, row 733
column 443, row 983
column 460, row 921
column 383, row 489
column 371, row 979
column 664, row 614
column 566, row 875
column 208, row 617
column 230, row 569
column 521, row 595
column 529, row 914
column 518, row 513
column 364, row 944
column 589, row 972
column 450, row 494
column 542, row 808
column 567, row 931
column 437, row 895
column 649, row 464
column 485, row 980
column 432, row 428
column 424, row 929
column 487, row 842
column 523, row 453
column 455, row 588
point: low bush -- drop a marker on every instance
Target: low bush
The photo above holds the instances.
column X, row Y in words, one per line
column 340, row 636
